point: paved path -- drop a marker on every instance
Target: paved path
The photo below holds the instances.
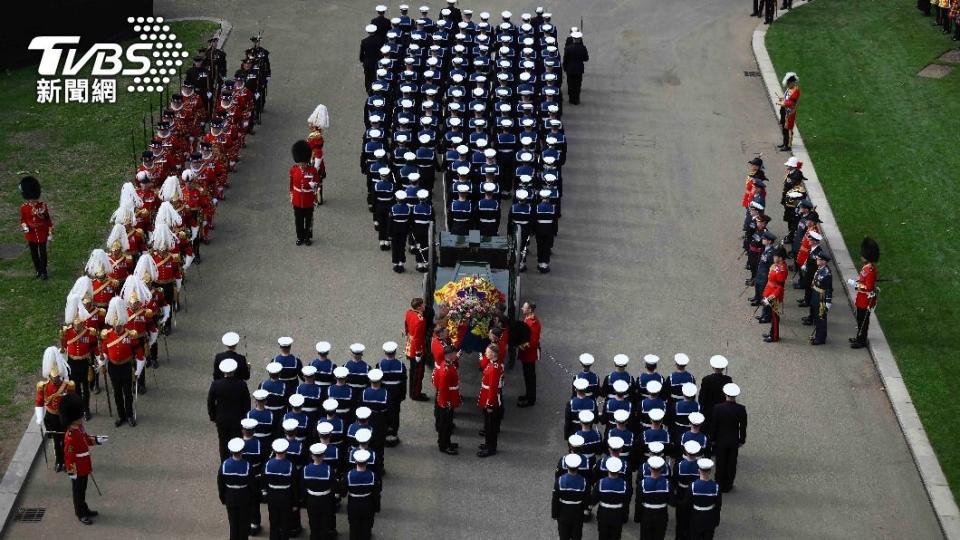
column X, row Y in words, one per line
column 645, row 263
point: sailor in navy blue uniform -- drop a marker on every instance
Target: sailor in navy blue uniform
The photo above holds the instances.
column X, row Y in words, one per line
column 362, row 489
column 704, row 502
column 342, row 394
column 570, row 499
column 334, row 455
column 519, row 223
column 679, row 377
column 619, row 373
column 312, row 395
column 383, row 191
column 574, row 446
column 358, row 368
column 399, row 226
column 373, row 177
column 266, row 423
column 395, row 381
column 653, row 495
column 255, row 451
column 235, row 484
column 545, row 229
column 318, row 483
column 298, row 415
column 295, row 449
column 655, row 448
column 362, row 421
column 407, row 166
column 694, row 433
column 376, row 398
column 291, row 366
column 649, row 373
column 488, row 211
column 324, row 366
column 611, row 496
column 592, row 441
column 461, row 212
column 579, row 402
column 615, row 447
column 275, row 402
column 282, row 482
column 363, row 437
column 686, row 471
column 651, row 401
column 593, row 380
column 821, row 298
column 656, row 432
column 619, row 401
column 621, row 429
column 423, row 216
column 426, row 159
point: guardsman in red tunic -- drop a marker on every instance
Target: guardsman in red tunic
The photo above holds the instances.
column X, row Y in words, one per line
column 79, row 343
column 76, row 445
column 49, row 394
column 755, row 168
column 866, row 286
column 528, row 355
column 303, row 189
column 773, row 293
column 121, row 349
column 788, row 109
column 448, row 400
column 489, row 400
column 36, row 224
column 415, row 330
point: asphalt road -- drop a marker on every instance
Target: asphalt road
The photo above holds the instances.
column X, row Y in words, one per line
column 646, row 263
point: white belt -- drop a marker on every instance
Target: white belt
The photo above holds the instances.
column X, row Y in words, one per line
column 484, row 386
column 521, row 222
column 235, row 487
column 487, row 220
column 399, row 220
column 421, row 222
column 703, row 508
column 358, row 495
column 684, row 486
column 391, row 383
column 83, row 454
column 545, row 221
column 309, row 409
column 569, row 502
column 318, row 493
column 453, row 388
column 460, row 220
column 273, row 486
column 608, row 505
column 654, row 506
column 261, row 435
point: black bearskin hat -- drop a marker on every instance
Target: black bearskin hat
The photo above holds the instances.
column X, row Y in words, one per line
column 301, row 151
column 71, row 409
column 869, row 250
column 29, row 188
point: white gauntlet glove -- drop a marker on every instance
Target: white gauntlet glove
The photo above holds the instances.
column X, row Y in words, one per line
column 38, row 413
column 140, row 365
column 102, row 439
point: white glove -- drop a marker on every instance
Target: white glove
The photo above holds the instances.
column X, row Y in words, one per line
column 72, row 476
column 140, row 365
column 24, row 227
column 313, row 184
column 766, row 301
column 153, row 337
column 216, row 201
column 852, row 282
column 829, row 305
column 179, row 284
column 49, row 238
column 38, row 413
column 102, row 439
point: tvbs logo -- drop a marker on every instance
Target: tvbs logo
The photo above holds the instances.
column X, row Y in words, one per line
column 108, row 58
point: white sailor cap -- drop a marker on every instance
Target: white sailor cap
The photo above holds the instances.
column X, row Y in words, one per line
column 681, row 359
column 318, row 449
column 381, row 8
column 522, row 194
column 621, row 387
column 413, row 177
column 480, row 122
column 653, row 387
column 375, row 375
column 424, row 9
column 490, row 152
column 308, row 371
column 696, row 418
column 376, row 134
column 793, row 194
column 705, row 464
column 620, row 416
column 615, row 443
column 424, row 138
column 576, row 35
column 363, row 412
column 586, row 359
column 401, row 137
column 228, row 365
column 341, row 372
column 656, row 447
column 731, row 390
column 585, row 417
column 656, row 462
column 323, row 347
column 330, row 404
column 575, row 440
column 400, row 195
column 792, row 162
column 467, row 12
column 361, row 455
column 526, row 157
column 357, row 348
column 285, row 341
column 363, row 435
column 324, row 428
column 409, row 156
column 816, row 236
column 274, row 367
column 489, row 187
column 614, row 465
column 525, row 16
column 235, row 445
column 718, row 361
column 376, row 86
column 423, row 194
column 455, row 121
column 230, row 339
column 621, row 360
column 545, row 193
column 280, row 445
column 296, row 400
column 370, row 28
column 463, row 188
column 651, row 359
column 260, row 394
column 525, row 76
column 249, row 423
column 506, row 14
column 290, row 424
column 692, row 448
column 572, row 461
column 580, row 383
column 379, row 153
column 463, row 170
column 656, row 414
column 689, row 389
column 549, row 177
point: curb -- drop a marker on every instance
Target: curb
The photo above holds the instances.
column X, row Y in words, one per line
column 934, row 481
column 30, row 443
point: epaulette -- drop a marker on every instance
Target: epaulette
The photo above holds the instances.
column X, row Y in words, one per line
column 71, row 384
column 139, row 231
column 104, row 333
column 128, row 257
column 148, row 312
column 102, row 311
column 114, row 282
column 132, row 333
column 40, row 385
column 175, row 256
column 92, row 331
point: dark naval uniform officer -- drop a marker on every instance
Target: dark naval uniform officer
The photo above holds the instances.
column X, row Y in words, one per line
column 230, row 341
column 227, row 403
column 728, row 431
column 574, row 56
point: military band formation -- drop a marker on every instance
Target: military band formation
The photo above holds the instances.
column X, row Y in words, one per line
column 478, row 103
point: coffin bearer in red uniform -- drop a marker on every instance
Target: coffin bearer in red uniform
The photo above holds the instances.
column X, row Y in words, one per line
column 866, row 285
column 528, row 355
column 78, row 342
column 50, row 392
column 788, row 109
column 415, row 330
column 121, row 350
column 447, row 381
column 773, row 293
column 319, row 120
column 36, row 224
column 303, row 189
column 489, row 400
column 76, row 449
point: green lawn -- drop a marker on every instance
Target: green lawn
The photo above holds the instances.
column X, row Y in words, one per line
column 885, row 145
column 81, row 153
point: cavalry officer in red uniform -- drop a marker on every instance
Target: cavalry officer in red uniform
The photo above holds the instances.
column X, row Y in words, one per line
column 489, row 400
column 79, row 343
column 529, row 352
column 773, row 293
column 788, row 109
column 36, row 224
column 866, row 285
column 415, row 330
column 169, row 269
column 141, row 325
column 447, row 381
column 98, row 269
column 50, row 392
column 120, row 348
column 303, row 189
column 76, row 448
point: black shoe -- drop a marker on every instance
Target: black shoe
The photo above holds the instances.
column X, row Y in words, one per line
column 449, row 450
column 119, row 422
column 817, row 342
column 806, row 321
column 299, row 242
column 858, row 345
column 803, row 304
column 255, row 529
column 769, row 339
column 486, row 452
column 755, row 302
column 43, row 276
column 421, row 397
column 524, row 403
column 754, row 14
column 132, row 421
column 86, row 520
column 482, row 446
column 763, row 321
column 308, row 242
column 142, row 389
column 455, row 446
column 58, row 467
column 852, row 340
column 786, row 149
column 87, row 416
column 92, row 513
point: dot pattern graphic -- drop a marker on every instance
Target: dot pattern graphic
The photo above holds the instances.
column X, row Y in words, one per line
column 167, row 54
